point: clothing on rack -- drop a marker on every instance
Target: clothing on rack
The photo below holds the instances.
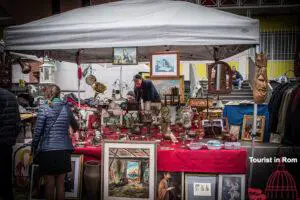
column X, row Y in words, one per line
column 292, row 122
column 284, row 109
column 274, row 105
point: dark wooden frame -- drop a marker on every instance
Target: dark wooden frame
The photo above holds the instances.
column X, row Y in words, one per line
column 213, row 90
column 113, row 56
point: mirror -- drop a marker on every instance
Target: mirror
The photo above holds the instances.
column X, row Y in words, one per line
column 219, row 78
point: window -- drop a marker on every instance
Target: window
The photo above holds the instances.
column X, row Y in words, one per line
column 279, row 44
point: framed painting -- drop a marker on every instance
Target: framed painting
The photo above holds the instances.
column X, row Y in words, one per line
column 200, row 102
column 247, row 128
column 22, row 160
column 128, row 170
column 125, row 56
column 145, row 75
column 164, row 86
column 225, row 124
column 235, row 130
column 200, row 186
column 164, row 64
column 170, row 185
column 73, row 180
column 231, row 187
column 36, row 186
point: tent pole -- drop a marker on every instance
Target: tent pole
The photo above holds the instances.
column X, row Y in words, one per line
column 253, row 134
column 78, row 89
column 121, row 80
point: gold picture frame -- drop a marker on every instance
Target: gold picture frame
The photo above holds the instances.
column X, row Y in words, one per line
column 247, row 128
column 164, row 85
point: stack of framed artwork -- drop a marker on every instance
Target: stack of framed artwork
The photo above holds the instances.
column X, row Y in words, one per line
column 244, row 132
column 73, row 180
column 129, row 171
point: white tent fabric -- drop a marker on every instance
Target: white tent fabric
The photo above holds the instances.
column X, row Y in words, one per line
column 150, row 25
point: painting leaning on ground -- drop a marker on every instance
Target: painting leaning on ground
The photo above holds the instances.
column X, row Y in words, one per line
column 129, row 173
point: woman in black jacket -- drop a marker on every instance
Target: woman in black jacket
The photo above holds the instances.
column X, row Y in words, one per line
column 53, row 143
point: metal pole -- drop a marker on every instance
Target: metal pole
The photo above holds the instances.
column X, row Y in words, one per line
column 78, row 88
column 121, row 81
column 218, row 77
column 253, row 134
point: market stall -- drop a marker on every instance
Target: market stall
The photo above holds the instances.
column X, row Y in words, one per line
column 149, row 31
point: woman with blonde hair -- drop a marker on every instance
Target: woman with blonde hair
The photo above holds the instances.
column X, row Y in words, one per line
column 52, row 144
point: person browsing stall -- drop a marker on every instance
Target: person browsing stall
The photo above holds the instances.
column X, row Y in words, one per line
column 10, row 127
column 52, row 144
column 144, row 89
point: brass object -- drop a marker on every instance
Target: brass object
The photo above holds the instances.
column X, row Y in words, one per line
column 99, row 87
column 260, row 85
column 90, row 79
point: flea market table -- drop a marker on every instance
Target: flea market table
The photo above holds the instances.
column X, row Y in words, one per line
column 173, row 158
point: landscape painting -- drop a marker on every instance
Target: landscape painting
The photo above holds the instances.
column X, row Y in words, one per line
column 164, row 85
column 129, row 172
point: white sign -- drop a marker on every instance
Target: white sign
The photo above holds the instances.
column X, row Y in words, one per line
column 202, row 189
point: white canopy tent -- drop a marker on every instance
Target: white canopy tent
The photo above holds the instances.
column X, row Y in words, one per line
column 150, row 25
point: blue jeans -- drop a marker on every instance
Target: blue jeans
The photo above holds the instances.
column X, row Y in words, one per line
column 238, row 82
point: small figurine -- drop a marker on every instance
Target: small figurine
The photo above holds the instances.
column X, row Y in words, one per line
column 97, row 138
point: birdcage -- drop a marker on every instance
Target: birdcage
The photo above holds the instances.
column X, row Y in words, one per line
column 281, row 185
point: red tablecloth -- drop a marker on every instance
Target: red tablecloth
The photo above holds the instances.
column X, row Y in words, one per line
column 175, row 159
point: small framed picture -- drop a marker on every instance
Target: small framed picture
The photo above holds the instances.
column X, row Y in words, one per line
column 248, row 127
column 235, row 130
column 200, row 186
column 73, row 180
column 22, row 160
column 231, row 186
column 165, row 64
column 170, row 185
column 225, row 124
column 125, row 56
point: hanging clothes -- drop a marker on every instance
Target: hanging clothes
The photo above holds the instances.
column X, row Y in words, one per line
column 275, row 103
column 283, row 110
column 292, row 121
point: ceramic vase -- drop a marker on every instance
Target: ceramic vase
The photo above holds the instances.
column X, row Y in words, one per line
column 92, row 179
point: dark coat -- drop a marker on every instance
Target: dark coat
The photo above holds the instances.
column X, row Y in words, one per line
column 238, row 75
column 10, row 122
column 147, row 92
column 292, row 121
column 52, row 127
